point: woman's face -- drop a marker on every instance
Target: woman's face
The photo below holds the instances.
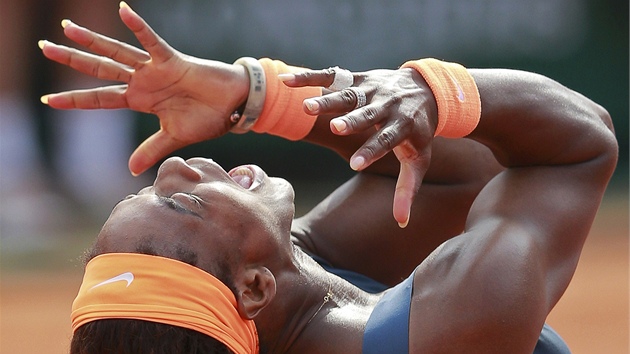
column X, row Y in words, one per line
column 197, row 204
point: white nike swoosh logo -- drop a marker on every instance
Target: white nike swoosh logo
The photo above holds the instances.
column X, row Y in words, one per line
column 128, row 277
column 460, row 93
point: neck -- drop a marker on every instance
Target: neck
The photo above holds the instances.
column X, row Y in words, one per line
column 314, row 312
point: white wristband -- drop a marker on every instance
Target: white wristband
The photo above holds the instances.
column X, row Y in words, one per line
column 256, row 97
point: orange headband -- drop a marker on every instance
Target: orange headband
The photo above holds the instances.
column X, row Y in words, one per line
column 163, row 290
column 283, row 113
column 456, row 94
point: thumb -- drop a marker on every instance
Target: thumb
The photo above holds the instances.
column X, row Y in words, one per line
column 152, row 150
column 412, row 171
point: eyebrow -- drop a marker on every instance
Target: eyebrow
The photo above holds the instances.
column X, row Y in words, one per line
column 172, row 204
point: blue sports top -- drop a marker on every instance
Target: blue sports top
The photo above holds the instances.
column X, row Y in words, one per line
column 387, row 329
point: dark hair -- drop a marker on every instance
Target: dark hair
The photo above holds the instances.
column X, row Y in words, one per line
column 131, row 336
column 123, row 336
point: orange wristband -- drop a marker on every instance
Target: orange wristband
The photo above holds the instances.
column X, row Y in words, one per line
column 283, row 113
column 456, row 95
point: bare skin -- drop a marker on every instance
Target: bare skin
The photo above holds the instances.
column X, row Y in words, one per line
column 495, row 230
column 157, row 80
column 524, row 216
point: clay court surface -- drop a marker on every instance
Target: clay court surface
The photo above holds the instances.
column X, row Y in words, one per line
column 592, row 316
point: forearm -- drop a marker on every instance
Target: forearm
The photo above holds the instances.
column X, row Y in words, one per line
column 528, row 119
column 560, row 152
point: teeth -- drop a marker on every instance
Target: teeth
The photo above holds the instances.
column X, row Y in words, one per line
column 243, row 176
column 242, row 171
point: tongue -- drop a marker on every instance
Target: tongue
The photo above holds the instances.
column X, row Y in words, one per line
column 244, row 180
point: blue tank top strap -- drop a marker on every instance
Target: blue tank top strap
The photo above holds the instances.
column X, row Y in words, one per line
column 387, row 329
column 550, row 342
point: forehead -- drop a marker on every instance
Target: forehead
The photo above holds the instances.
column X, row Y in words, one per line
column 148, row 217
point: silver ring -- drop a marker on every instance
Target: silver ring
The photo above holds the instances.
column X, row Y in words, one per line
column 343, row 79
column 360, row 95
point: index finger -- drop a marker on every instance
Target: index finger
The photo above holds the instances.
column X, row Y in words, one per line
column 158, row 49
column 324, row 77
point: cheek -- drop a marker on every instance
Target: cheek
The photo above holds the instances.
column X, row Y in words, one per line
column 283, row 196
column 236, row 213
column 231, row 220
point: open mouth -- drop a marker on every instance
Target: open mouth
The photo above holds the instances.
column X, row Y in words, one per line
column 243, row 175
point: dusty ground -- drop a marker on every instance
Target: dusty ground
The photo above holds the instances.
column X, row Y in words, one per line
column 592, row 316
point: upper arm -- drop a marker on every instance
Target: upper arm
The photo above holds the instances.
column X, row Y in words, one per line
column 493, row 286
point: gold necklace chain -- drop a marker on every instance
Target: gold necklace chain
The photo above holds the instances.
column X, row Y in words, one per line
column 327, row 298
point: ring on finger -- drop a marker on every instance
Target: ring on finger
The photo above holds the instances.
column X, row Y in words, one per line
column 360, row 95
column 343, row 79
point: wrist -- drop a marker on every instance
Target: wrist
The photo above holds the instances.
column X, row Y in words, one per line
column 456, row 96
column 247, row 113
column 428, row 101
column 241, row 88
column 278, row 109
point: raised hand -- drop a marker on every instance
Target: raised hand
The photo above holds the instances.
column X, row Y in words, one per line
column 192, row 97
column 402, row 109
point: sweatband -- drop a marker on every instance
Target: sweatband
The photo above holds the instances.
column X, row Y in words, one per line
column 283, row 114
column 162, row 290
column 456, row 95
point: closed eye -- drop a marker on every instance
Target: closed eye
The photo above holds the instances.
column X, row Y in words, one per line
column 125, row 198
column 172, row 204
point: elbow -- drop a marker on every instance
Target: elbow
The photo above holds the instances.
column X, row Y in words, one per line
column 610, row 147
column 599, row 138
column 605, row 118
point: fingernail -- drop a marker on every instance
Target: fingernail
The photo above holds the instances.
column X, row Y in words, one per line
column 339, row 124
column 123, row 4
column 41, row 44
column 403, row 224
column 65, row 23
column 311, row 105
column 286, row 77
column 133, row 170
column 357, row 162
column 44, row 99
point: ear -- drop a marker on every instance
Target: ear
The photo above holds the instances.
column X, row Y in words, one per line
column 255, row 289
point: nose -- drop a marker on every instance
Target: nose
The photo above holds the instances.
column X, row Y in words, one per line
column 175, row 175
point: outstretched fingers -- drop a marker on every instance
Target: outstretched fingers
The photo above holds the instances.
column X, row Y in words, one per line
column 105, row 46
column 158, row 49
column 110, row 97
column 90, row 64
